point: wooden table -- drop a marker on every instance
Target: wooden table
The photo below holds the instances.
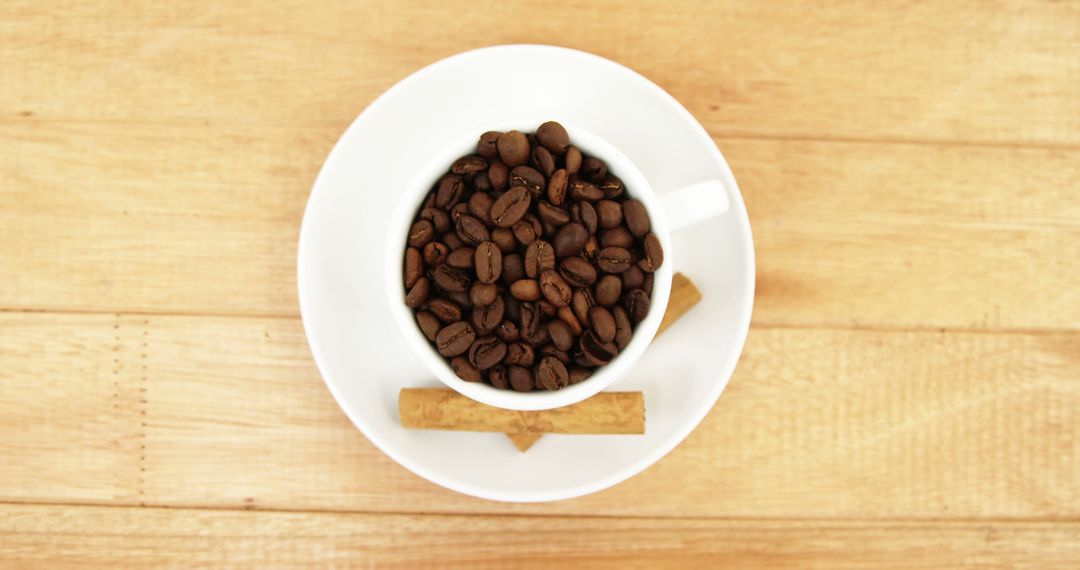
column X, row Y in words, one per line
column 910, row 392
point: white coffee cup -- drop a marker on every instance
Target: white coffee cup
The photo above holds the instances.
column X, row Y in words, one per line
column 667, row 212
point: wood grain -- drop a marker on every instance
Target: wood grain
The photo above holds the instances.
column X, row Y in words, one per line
column 93, row 537
column 1000, row 72
column 815, row 423
column 847, row 234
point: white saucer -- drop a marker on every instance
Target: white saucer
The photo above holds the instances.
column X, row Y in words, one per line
column 349, row 327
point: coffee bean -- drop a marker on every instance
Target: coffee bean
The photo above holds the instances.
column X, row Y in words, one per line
column 585, row 214
column 455, row 339
column 507, row 331
column 513, row 307
column 486, row 352
column 445, row 310
column 539, row 256
column 480, row 182
column 617, row 237
column 551, row 374
column 451, row 189
column 461, row 298
column 610, row 213
column 545, row 306
column 521, row 379
column 497, row 377
column 488, row 262
column 602, row 323
column 613, row 259
column 524, row 233
column 414, row 266
column 556, row 187
column 525, row 290
column 595, row 351
column 577, row 271
column 552, row 351
column 483, row 293
column 499, row 176
column 435, row 253
column 531, row 324
column 549, row 228
column 592, row 247
column 528, row 178
column 579, row 374
column 479, row 205
column 471, row 230
column 554, row 288
column 632, row 278
column 608, row 290
column 572, row 162
column 593, row 169
column 654, row 254
column 418, row 293
column 510, row 207
column 465, row 370
column 612, row 187
column 513, row 268
column 513, row 148
column 451, row 279
column 561, row 335
column 637, row 219
column 469, row 165
column 543, row 161
column 637, row 304
column 421, row 233
column 566, row 315
column 486, row 317
column 461, row 258
column 582, row 190
column 582, row 301
column 520, row 354
column 570, row 239
column 437, row 217
column 429, row 201
column 623, row 327
column 554, row 137
column 452, row 241
column 504, row 238
column 485, row 147
column 646, row 285
column 429, row 324
column 553, row 215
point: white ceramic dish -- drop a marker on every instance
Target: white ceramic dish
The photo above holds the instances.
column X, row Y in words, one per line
column 343, row 241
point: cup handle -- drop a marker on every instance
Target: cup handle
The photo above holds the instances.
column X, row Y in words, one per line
column 695, row 203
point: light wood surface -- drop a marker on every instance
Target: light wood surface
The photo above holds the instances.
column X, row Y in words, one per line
column 910, row 391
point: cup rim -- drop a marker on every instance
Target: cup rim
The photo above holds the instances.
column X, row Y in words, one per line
column 404, row 318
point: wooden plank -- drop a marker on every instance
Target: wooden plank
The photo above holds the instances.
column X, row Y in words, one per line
column 1004, row 72
column 816, row 423
column 205, row 220
column 54, row 536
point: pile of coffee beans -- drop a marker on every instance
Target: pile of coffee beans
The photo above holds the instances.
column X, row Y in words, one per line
column 528, row 265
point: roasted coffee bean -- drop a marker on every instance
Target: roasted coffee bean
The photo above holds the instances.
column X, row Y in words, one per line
column 479, row 205
column 637, row 219
column 485, row 147
column 610, row 213
column 513, row 268
column 452, row 241
column 437, row 217
column 582, row 360
column 583, row 190
column 613, row 259
column 632, row 278
column 596, row 351
column 553, row 137
column 521, row 379
column 593, row 169
column 530, row 321
column 504, row 238
column 545, row 306
column 553, row 215
column 581, row 303
column 445, row 310
column 520, row 354
column 488, row 262
column 623, row 327
column 497, row 377
column 554, row 288
column 480, row 182
column 561, row 335
column 507, row 331
column 602, row 323
column 549, row 228
column 608, row 290
column 451, row 279
column 585, row 214
column 513, row 307
column 483, row 293
column 429, row 324
column 528, row 178
column 653, row 254
column 499, row 176
column 637, row 304
column 455, row 339
column 539, row 256
column 435, row 253
column 579, row 374
column 465, row 370
column 543, row 161
column 486, row 317
column 525, row 290
column 617, row 237
column 556, row 187
column 414, row 266
column 552, row 350
column 513, row 148
column 612, row 187
column 451, row 189
column 570, row 239
column 566, row 315
column 572, row 162
column 461, row 258
column 510, row 207
column 646, row 285
column 524, row 233
column 421, row 233
column 429, row 201
column 471, row 230
column 461, row 298
column 592, row 247
column 469, row 165
column 551, row 374
column 418, row 293
column 577, row 271
column 486, row 352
